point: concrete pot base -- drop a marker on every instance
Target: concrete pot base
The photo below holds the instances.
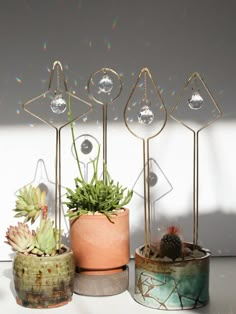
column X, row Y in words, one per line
column 101, row 285
column 172, row 285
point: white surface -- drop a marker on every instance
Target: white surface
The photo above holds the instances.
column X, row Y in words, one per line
column 222, row 295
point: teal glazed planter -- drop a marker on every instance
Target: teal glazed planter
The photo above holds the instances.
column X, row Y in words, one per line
column 172, row 285
column 43, row 282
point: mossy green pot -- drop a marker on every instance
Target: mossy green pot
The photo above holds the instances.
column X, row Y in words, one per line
column 172, row 285
column 44, row 282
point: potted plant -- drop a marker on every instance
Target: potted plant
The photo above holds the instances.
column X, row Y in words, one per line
column 99, row 231
column 43, row 268
column 174, row 275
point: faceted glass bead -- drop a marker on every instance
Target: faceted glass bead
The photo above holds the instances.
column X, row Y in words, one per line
column 196, row 101
column 105, row 85
column 58, row 104
column 145, row 115
column 152, row 179
column 86, row 147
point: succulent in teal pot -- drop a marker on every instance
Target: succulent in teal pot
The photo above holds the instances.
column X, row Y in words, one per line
column 43, row 268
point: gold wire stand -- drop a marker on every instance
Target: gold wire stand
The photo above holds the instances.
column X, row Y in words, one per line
column 57, row 66
column 196, row 75
column 104, row 109
column 145, row 146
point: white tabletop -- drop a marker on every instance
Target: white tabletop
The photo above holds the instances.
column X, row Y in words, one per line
column 222, row 295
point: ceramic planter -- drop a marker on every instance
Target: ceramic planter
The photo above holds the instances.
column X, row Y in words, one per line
column 172, row 285
column 43, row 282
column 101, row 250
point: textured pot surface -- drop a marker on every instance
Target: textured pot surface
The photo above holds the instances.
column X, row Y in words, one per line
column 99, row 244
column 172, row 285
column 102, row 285
column 43, row 282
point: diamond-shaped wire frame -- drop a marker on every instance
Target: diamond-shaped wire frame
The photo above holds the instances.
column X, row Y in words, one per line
column 41, row 180
column 146, row 106
column 159, row 184
column 200, row 117
column 46, row 98
column 158, row 181
column 193, row 98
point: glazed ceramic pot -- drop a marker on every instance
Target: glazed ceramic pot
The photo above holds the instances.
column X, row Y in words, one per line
column 43, row 282
column 169, row 285
column 99, row 246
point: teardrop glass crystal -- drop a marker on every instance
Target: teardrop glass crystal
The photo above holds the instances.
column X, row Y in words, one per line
column 58, row 104
column 196, row 101
column 105, row 85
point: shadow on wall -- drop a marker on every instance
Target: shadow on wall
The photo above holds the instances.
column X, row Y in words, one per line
column 217, row 231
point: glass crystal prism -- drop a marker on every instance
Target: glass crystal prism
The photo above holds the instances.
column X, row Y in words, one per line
column 153, row 179
column 86, row 147
column 145, row 115
column 58, row 104
column 196, row 101
column 105, row 85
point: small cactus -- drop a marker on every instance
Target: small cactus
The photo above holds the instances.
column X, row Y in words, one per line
column 20, row 238
column 171, row 244
column 29, row 203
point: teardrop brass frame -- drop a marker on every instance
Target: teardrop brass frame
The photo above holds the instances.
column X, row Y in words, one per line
column 57, row 65
column 146, row 158
column 196, row 149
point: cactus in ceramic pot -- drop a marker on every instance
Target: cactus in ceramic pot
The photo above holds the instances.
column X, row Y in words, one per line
column 171, row 244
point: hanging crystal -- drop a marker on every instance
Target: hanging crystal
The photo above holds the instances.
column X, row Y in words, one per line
column 86, row 147
column 105, row 85
column 58, row 104
column 196, row 101
column 145, row 115
column 153, row 179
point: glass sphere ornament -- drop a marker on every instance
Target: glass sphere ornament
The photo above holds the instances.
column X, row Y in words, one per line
column 86, row 147
column 58, row 104
column 145, row 115
column 105, row 85
column 196, row 101
column 153, row 179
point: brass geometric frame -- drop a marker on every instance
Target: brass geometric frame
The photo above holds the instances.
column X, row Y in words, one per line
column 196, row 75
column 57, row 66
column 146, row 171
column 104, row 108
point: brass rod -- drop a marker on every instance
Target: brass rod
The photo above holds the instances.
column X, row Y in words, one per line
column 145, row 200
column 104, row 111
column 148, row 196
column 59, row 186
column 56, row 180
column 197, row 185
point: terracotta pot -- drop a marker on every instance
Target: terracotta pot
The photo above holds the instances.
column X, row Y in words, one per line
column 43, row 282
column 171, row 285
column 99, row 245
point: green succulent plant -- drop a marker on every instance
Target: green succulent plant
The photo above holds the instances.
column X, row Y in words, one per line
column 46, row 238
column 31, row 204
column 98, row 195
column 21, row 238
